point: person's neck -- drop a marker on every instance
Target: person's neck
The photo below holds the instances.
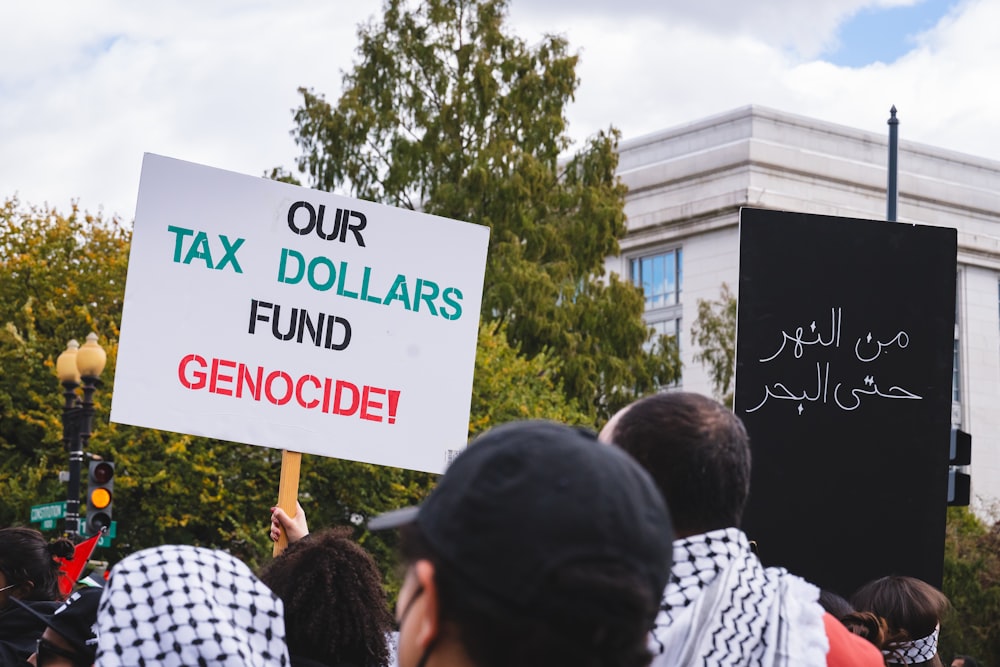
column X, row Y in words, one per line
column 449, row 654
column 691, row 532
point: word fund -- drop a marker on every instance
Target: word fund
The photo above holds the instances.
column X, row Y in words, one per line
column 322, row 330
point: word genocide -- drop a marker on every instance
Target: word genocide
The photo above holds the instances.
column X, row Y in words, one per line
column 228, row 377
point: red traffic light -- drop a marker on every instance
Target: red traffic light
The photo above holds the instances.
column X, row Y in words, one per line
column 102, row 472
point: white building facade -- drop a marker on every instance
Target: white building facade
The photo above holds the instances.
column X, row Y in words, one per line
column 687, row 184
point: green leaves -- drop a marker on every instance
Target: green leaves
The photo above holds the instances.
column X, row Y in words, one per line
column 60, row 278
column 714, row 332
column 64, row 276
column 447, row 112
column 972, row 584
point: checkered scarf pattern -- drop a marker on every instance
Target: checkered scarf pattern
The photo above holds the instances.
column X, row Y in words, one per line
column 917, row 651
column 722, row 607
column 173, row 606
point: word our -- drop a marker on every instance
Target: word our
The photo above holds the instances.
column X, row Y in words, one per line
column 227, row 377
column 313, row 222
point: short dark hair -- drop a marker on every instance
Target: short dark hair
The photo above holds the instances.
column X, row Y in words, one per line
column 25, row 555
column 697, row 451
column 336, row 611
column 585, row 614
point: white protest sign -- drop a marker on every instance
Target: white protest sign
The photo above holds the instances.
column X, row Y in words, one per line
column 270, row 314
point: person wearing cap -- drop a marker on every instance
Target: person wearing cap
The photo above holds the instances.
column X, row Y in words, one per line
column 538, row 547
column 69, row 639
column 721, row 605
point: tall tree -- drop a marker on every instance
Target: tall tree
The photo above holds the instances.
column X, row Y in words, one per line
column 64, row 276
column 447, row 113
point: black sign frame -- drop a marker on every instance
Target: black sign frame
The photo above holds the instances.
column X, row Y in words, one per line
column 845, row 343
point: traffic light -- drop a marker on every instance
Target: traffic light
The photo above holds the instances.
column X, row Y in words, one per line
column 100, row 494
column 960, row 454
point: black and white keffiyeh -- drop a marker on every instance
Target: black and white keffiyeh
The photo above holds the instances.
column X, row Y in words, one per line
column 174, row 605
column 919, row 650
column 722, row 607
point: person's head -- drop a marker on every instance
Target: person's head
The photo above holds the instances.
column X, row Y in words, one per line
column 28, row 566
column 178, row 605
column 69, row 639
column 909, row 606
column 336, row 611
column 539, row 546
column 696, row 449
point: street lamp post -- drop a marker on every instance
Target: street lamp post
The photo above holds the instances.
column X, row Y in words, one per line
column 75, row 365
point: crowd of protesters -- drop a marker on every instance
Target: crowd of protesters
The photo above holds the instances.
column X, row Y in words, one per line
column 542, row 545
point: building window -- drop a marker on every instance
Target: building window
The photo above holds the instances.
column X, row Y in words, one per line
column 660, row 276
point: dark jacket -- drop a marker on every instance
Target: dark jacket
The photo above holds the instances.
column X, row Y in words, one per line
column 19, row 631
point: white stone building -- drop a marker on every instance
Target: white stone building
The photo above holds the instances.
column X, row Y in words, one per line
column 687, row 184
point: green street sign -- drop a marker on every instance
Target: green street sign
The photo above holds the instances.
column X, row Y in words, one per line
column 105, row 540
column 48, row 513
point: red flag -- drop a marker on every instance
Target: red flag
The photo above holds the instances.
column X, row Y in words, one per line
column 71, row 569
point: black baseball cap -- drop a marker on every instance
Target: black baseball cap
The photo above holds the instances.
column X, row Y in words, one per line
column 528, row 497
column 74, row 620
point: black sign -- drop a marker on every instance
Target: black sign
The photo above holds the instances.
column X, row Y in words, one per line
column 845, row 341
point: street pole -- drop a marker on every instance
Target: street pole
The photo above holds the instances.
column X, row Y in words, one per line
column 892, row 193
column 76, row 363
column 86, row 418
column 69, row 377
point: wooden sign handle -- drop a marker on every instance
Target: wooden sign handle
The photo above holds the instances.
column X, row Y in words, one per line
column 288, row 491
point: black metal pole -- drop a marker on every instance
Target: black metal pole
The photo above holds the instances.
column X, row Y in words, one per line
column 90, row 385
column 892, row 190
column 71, row 439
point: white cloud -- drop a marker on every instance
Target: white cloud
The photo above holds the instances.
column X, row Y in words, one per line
column 213, row 83
column 804, row 28
column 86, row 88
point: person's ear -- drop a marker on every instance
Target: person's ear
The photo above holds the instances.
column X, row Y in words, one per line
column 428, row 620
column 23, row 590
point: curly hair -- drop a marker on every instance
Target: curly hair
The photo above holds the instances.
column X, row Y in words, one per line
column 336, row 610
column 874, row 628
column 26, row 556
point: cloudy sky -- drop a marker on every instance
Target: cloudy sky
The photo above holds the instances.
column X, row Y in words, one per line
column 87, row 87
